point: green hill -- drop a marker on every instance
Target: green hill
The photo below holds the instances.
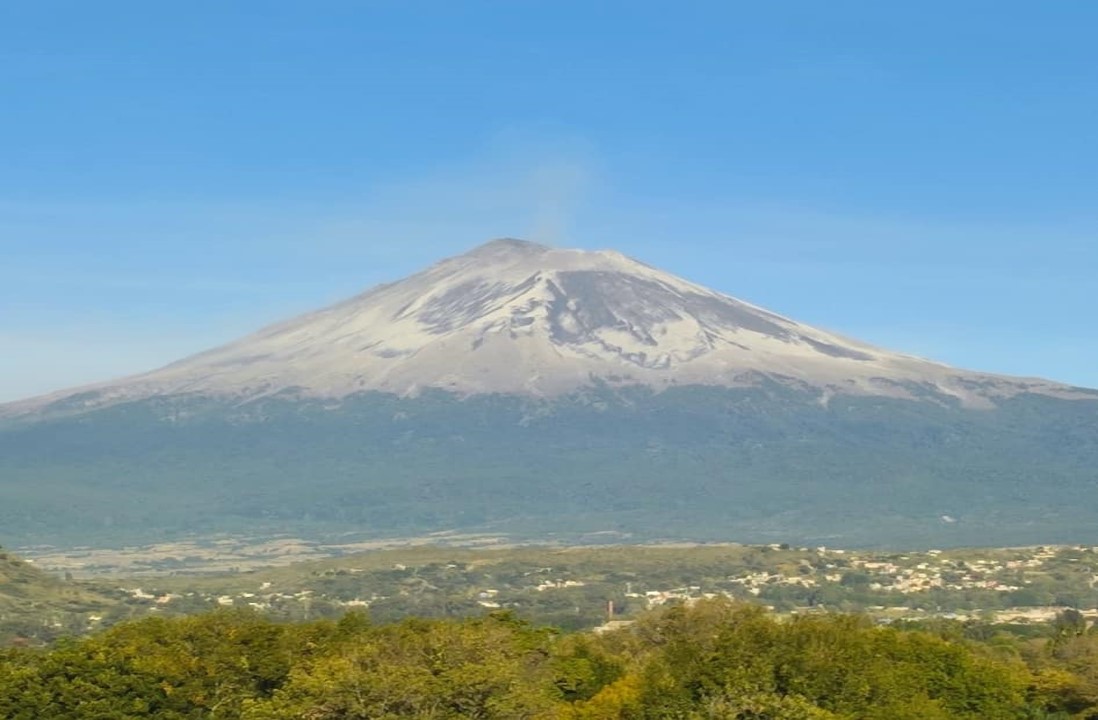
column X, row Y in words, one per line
column 36, row 607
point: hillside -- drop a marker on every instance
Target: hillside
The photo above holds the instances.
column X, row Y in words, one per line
column 401, row 412
column 35, row 606
column 517, row 318
column 745, row 465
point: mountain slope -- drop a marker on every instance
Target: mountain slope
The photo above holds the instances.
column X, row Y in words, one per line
column 520, row 318
column 36, row 607
column 541, row 393
column 765, row 464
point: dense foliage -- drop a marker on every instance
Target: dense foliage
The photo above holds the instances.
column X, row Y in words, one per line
column 716, row 660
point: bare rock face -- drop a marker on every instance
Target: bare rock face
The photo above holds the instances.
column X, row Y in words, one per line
column 516, row 317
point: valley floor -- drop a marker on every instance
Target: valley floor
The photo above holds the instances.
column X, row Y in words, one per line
column 569, row 587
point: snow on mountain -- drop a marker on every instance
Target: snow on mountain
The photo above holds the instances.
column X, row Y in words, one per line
column 517, row 317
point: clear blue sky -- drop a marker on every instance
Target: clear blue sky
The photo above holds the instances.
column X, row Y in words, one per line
column 920, row 175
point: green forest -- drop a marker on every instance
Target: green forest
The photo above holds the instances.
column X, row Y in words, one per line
column 717, row 659
column 690, row 463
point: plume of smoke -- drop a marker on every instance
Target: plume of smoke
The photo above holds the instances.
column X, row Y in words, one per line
column 559, row 187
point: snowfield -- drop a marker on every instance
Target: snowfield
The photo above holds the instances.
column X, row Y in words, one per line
column 520, row 318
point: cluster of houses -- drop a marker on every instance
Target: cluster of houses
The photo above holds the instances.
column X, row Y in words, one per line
column 905, row 574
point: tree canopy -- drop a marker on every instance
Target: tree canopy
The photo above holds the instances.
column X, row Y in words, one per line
column 716, row 660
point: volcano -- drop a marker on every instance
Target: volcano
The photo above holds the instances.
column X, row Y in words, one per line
column 546, row 393
column 516, row 317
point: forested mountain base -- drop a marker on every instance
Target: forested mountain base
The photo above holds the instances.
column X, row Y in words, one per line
column 766, row 464
column 717, row 660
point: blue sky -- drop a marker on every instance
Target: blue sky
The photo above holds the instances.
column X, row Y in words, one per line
column 920, row 175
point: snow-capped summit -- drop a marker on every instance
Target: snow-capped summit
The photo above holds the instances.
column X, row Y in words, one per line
column 517, row 317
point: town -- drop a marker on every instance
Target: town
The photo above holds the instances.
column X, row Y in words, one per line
column 583, row 588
